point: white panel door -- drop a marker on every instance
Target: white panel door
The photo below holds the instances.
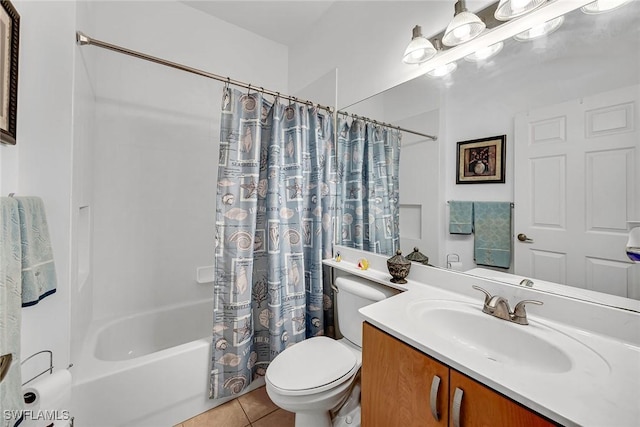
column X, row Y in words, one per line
column 577, row 183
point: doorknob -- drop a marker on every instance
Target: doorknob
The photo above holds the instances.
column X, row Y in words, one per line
column 523, row 238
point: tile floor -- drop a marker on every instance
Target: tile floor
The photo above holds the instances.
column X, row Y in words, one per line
column 252, row 409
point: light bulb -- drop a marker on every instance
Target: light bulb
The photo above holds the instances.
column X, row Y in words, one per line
column 419, row 49
column 463, row 27
column 518, row 5
column 540, row 30
column 601, row 6
column 537, row 31
column 443, row 70
column 485, row 52
column 416, row 54
column 462, row 32
column 509, row 9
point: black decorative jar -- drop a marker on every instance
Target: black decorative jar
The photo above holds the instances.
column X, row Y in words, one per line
column 419, row 257
column 398, row 267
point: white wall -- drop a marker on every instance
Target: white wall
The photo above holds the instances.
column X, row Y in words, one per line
column 156, row 148
column 62, row 111
column 482, row 101
column 81, row 285
column 365, row 40
column 476, row 102
column 40, row 163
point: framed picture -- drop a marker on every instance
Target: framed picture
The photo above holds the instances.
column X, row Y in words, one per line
column 481, row 161
column 9, row 44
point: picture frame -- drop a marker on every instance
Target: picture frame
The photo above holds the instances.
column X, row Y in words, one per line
column 481, row 161
column 9, row 48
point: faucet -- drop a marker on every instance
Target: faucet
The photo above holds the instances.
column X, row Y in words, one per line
column 498, row 306
column 526, row 282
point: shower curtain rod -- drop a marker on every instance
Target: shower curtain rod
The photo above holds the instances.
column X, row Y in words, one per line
column 355, row 116
column 82, row 39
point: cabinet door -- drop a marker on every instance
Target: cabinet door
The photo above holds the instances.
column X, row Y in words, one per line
column 481, row 406
column 397, row 382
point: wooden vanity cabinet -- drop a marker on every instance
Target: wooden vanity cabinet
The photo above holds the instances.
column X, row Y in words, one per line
column 396, row 379
column 397, row 383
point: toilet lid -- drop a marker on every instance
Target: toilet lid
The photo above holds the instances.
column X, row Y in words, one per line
column 311, row 364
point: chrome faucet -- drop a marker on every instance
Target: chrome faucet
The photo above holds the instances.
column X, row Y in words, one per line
column 526, row 282
column 498, row 306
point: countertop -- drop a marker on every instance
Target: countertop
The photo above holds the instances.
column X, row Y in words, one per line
column 605, row 392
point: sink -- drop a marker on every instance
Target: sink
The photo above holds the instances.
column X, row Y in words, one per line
column 465, row 330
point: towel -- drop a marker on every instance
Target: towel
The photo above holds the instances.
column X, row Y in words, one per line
column 492, row 229
column 11, row 399
column 38, row 269
column 460, row 217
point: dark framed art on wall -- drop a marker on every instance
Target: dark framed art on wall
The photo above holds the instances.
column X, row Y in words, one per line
column 9, row 46
column 481, row 161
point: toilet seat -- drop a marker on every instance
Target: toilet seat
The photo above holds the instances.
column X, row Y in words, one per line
column 311, row 366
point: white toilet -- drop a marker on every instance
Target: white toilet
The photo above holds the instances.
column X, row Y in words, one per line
column 315, row 376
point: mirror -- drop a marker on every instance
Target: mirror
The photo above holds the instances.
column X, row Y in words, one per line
column 587, row 56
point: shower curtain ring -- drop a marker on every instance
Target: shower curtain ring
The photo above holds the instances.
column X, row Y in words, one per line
column 249, row 89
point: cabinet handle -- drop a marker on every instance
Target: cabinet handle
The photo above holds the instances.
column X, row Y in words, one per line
column 457, row 403
column 435, row 386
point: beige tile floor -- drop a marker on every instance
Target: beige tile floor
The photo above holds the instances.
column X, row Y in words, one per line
column 252, row 409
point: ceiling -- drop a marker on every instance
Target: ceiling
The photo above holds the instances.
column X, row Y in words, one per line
column 274, row 20
column 278, row 20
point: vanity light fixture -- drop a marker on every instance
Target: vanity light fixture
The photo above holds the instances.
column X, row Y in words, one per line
column 419, row 49
column 497, row 32
column 463, row 27
column 509, row 9
column 601, row 6
column 442, row 70
column 485, row 53
column 540, row 30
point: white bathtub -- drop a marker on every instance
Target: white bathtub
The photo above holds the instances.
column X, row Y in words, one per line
column 150, row 369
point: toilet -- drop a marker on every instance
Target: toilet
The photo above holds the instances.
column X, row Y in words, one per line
column 317, row 375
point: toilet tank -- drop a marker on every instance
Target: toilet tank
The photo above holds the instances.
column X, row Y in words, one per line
column 353, row 293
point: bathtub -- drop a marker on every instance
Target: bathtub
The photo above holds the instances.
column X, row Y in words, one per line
column 149, row 369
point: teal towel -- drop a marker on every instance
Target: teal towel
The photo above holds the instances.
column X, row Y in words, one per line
column 38, row 269
column 460, row 217
column 11, row 400
column 492, row 229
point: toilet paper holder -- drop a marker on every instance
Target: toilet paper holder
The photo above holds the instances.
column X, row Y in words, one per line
column 452, row 258
column 49, row 369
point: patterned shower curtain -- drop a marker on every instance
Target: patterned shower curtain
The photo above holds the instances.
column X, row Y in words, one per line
column 368, row 186
column 274, row 224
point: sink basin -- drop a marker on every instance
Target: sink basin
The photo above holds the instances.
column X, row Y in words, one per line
column 462, row 327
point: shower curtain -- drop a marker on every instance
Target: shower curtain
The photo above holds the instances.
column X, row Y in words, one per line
column 274, row 224
column 368, row 186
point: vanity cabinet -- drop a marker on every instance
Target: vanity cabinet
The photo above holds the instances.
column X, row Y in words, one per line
column 402, row 386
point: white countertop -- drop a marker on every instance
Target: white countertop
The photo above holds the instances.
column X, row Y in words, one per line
column 605, row 392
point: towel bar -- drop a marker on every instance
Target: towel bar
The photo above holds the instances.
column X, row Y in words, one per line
column 512, row 204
